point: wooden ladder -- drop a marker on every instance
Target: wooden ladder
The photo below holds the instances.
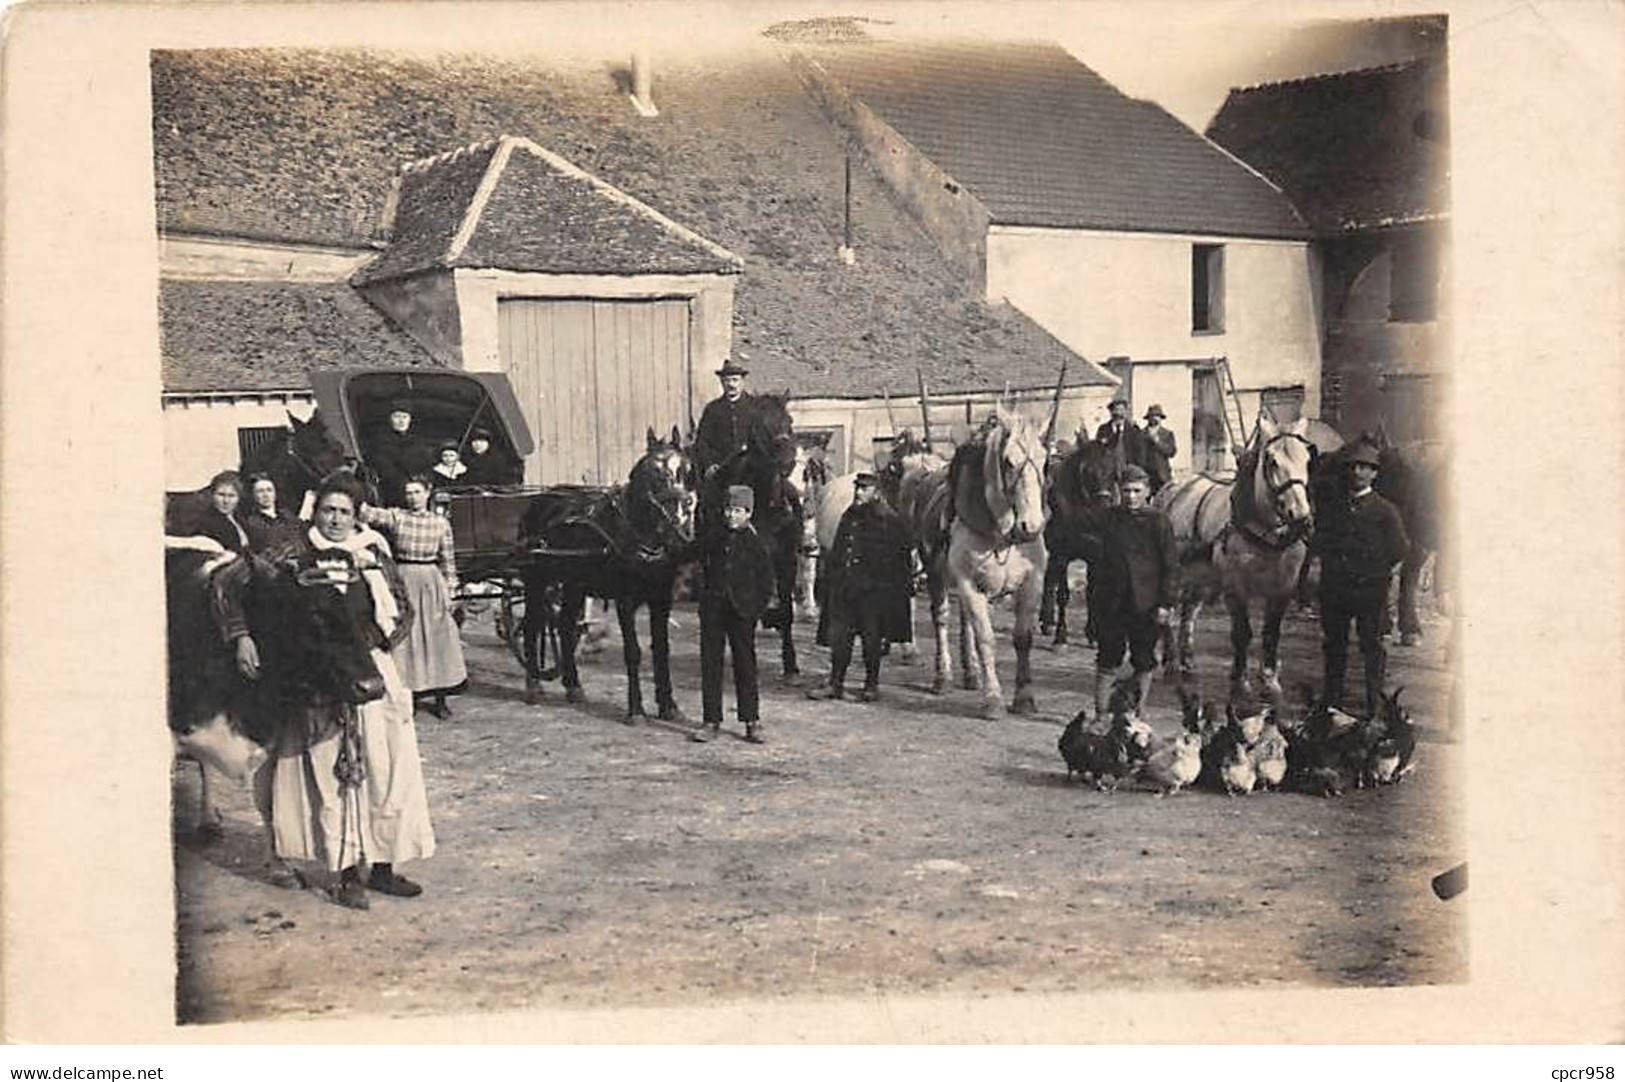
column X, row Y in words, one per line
column 1235, row 419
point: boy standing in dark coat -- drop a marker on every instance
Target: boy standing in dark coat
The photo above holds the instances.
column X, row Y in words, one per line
column 1133, row 547
column 738, row 578
column 866, row 589
column 1359, row 542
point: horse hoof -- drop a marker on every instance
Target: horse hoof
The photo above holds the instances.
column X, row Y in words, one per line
column 791, row 679
column 575, row 695
column 969, row 683
column 533, row 696
column 1024, row 704
column 672, row 712
column 939, row 685
column 635, row 717
column 993, row 710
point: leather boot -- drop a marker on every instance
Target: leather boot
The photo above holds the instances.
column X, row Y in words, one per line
column 832, row 690
column 753, row 733
column 706, row 733
column 1142, row 681
column 1104, row 681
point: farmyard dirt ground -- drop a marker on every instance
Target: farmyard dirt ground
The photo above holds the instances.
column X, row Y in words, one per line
column 896, row 848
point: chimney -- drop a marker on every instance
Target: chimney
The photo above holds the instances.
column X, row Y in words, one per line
column 642, row 84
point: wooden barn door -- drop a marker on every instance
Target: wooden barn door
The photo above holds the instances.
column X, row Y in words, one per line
column 591, row 377
column 1209, row 444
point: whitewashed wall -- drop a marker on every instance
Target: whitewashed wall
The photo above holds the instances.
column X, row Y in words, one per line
column 1129, row 294
column 200, row 433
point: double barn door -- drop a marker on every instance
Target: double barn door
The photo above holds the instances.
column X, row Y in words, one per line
column 591, row 377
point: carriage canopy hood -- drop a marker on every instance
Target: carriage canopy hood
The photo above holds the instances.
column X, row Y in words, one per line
column 444, row 402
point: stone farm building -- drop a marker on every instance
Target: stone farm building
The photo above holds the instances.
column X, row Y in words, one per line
column 845, row 217
column 1365, row 156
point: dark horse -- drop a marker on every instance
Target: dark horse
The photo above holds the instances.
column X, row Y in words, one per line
column 1080, row 481
column 765, row 466
column 624, row 544
column 298, row 459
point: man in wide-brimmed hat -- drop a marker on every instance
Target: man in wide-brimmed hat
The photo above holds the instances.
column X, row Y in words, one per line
column 1359, row 542
column 1160, row 449
column 724, row 425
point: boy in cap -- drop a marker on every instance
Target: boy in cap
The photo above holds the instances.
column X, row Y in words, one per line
column 1359, row 542
column 738, row 577
column 1160, row 448
column 866, row 589
column 1132, row 597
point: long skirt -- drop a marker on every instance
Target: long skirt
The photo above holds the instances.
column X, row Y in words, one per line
column 431, row 657
column 385, row 818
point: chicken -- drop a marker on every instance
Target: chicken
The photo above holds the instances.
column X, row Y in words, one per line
column 1268, row 754
column 1249, row 726
column 1236, row 771
column 1174, row 765
column 1393, row 757
column 1095, row 756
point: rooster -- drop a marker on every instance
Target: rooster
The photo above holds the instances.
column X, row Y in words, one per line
column 1392, row 756
column 1236, row 771
column 1095, row 756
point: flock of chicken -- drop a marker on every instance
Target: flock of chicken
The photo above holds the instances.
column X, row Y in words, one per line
column 1324, row 753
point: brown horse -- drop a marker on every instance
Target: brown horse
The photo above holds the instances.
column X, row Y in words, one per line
column 1243, row 539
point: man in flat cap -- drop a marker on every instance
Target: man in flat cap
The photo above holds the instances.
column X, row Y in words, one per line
column 1122, row 437
column 738, row 579
column 1359, row 541
column 866, row 588
column 398, row 454
column 724, row 429
column 1160, row 449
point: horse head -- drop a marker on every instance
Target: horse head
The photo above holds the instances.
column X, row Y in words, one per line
column 1283, row 455
column 1013, row 459
column 319, row 642
column 662, row 490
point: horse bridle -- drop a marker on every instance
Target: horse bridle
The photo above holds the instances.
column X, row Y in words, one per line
column 1288, row 532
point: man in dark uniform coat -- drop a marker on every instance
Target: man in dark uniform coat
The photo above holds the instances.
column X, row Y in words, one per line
column 738, row 579
column 398, row 454
column 1133, row 594
column 1359, row 542
column 866, row 589
column 1160, row 449
column 724, row 429
column 1122, row 437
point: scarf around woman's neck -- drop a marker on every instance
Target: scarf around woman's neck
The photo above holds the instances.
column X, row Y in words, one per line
column 385, row 612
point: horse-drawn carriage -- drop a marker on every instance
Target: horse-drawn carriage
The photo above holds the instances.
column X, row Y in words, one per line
column 352, row 415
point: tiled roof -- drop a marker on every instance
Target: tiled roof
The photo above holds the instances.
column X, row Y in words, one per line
column 1353, row 150
column 1041, row 139
column 302, row 145
column 512, row 205
column 246, row 336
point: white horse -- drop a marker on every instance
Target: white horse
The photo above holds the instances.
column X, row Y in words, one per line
column 979, row 525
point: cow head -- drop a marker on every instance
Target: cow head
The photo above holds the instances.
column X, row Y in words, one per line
column 320, row 618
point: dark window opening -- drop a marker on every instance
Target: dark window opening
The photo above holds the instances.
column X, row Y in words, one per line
column 1207, row 288
column 251, row 441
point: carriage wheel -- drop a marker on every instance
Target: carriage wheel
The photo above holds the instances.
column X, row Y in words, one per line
column 511, row 618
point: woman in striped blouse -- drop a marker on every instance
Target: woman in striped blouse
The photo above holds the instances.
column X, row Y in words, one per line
column 431, row 657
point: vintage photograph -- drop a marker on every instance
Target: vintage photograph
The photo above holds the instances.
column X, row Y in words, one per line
column 868, row 507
